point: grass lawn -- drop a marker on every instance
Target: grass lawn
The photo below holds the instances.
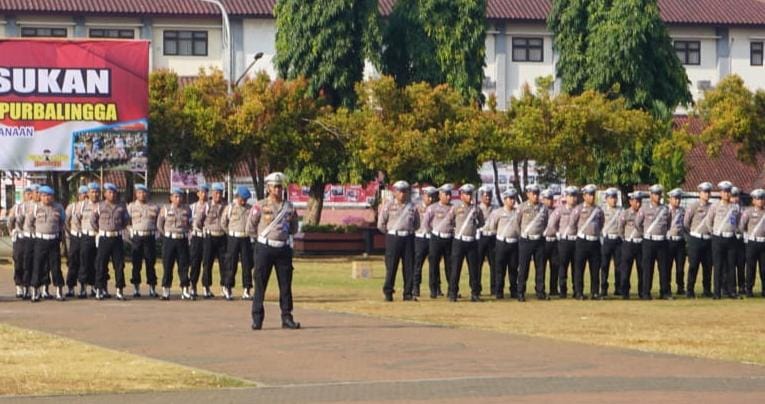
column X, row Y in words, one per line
column 35, row 363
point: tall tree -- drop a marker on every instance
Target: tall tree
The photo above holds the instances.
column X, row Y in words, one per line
column 568, row 20
column 165, row 118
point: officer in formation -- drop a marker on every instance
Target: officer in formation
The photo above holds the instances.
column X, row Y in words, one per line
column 239, row 247
column 214, row 245
column 486, row 237
column 47, row 222
column 588, row 219
column 467, row 219
column 560, row 226
column 196, row 247
column 174, row 223
column 551, row 244
column 439, row 222
column 143, row 238
column 505, row 223
column 676, row 250
column 88, row 236
column 735, row 197
column 699, row 246
column 722, row 220
column 654, row 219
column 612, row 242
column 110, row 218
column 422, row 237
column 398, row 219
column 20, row 240
column 753, row 231
column 74, row 234
column 632, row 242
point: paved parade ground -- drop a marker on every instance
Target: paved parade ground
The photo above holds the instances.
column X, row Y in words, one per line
column 346, row 357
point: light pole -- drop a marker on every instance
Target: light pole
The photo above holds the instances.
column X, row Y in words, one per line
column 228, row 66
column 255, row 58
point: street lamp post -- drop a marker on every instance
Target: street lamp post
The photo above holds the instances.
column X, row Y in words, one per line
column 228, row 66
column 255, row 58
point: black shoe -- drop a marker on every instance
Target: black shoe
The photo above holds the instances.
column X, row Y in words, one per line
column 257, row 326
column 680, row 292
column 408, row 298
column 433, row 295
column 69, row 294
column 554, row 293
column 708, row 294
column 596, row 296
column 564, row 295
column 452, row 298
column 290, row 324
column 440, row 293
column 690, row 294
column 542, row 296
column 475, row 298
column 513, row 295
column 749, row 294
column 500, row 296
column 136, row 295
column 521, row 298
column 646, row 297
column 388, row 297
column 626, row 296
column 667, row 297
column 716, row 297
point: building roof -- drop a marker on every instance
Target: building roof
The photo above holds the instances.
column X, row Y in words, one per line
column 140, row 7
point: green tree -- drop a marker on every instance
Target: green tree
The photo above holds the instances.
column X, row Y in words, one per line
column 568, row 20
column 165, row 119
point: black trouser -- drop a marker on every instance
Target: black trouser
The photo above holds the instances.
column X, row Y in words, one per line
column 421, row 249
column 676, row 255
column 655, row 252
column 110, row 248
column 755, row 256
column 29, row 260
column 196, row 255
column 611, row 250
column 506, row 263
column 587, row 252
column 439, row 248
column 18, row 261
column 88, row 252
column 740, row 265
column 632, row 254
column 551, row 260
column 398, row 249
column 214, row 247
column 566, row 254
column 724, row 264
column 73, row 261
column 699, row 252
column 47, row 257
column 486, row 253
column 144, row 249
column 528, row 250
column 238, row 248
column 266, row 259
column 175, row 250
column 461, row 251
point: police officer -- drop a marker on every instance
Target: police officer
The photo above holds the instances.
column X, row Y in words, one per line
column 398, row 220
column 676, row 239
column 467, row 219
column 273, row 221
column 16, row 229
column 29, row 246
column 740, row 272
column 174, row 223
column 439, row 219
column 753, row 228
column 632, row 252
column 561, row 225
column 110, row 218
column 214, row 246
column 723, row 219
column 588, row 219
column 88, row 248
column 143, row 237
column 612, row 242
column 422, row 237
column 74, row 233
column 532, row 242
column 47, row 220
column 486, row 237
column 551, row 243
column 653, row 220
column 196, row 247
column 505, row 222
column 699, row 243
column 238, row 247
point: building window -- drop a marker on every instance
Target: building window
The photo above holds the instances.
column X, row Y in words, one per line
column 689, row 52
column 29, row 32
column 755, row 53
column 528, row 49
column 112, row 33
column 185, row 43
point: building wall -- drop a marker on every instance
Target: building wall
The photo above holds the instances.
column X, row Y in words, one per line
column 3, row 23
column 45, row 21
column 709, row 68
column 260, row 36
column 754, row 76
column 187, row 65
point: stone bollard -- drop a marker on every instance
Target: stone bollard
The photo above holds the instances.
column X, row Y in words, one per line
column 361, row 269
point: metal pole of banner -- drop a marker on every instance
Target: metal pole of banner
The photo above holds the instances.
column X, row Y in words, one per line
column 101, row 179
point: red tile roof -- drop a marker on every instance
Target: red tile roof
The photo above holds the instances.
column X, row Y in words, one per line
column 727, row 12
column 140, row 7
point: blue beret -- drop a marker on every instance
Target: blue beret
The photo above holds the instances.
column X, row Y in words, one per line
column 243, row 192
column 203, row 187
column 176, row 190
column 110, row 187
column 28, row 188
column 94, row 186
column 82, row 189
column 35, row 187
column 141, row 187
column 45, row 190
column 218, row 186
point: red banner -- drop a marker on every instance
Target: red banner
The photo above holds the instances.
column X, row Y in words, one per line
column 351, row 195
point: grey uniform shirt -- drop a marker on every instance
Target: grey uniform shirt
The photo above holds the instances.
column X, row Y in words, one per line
column 28, row 209
column 694, row 218
column 197, row 216
column 611, row 221
column 422, row 230
column 486, row 212
column 48, row 219
column 143, row 216
column 109, row 217
column 533, row 219
column 559, row 223
column 234, row 218
column 16, row 219
column 653, row 220
column 588, row 220
column 467, row 220
column 629, row 228
column 264, row 212
column 84, row 215
column 505, row 223
column 722, row 219
column 211, row 217
column 396, row 216
column 72, row 225
column 174, row 219
column 752, row 223
column 439, row 218
column 677, row 222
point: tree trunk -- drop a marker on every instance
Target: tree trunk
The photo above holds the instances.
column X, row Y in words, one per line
column 497, row 194
column 525, row 174
column 517, row 179
column 315, row 204
column 257, row 176
column 626, row 189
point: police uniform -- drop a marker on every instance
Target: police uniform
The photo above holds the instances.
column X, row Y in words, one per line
column 16, row 229
column 505, row 223
column 174, row 224
column 467, row 220
column 47, row 221
column 486, row 239
column 439, row 219
column 740, row 272
column 753, row 229
column 238, row 245
column 531, row 244
column 632, row 248
column 676, row 242
column 214, row 246
column 588, row 221
column 422, row 239
column 88, row 248
column 551, row 245
column 196, row 246
column 272, row 222
column 398, row 222
column 74, row 234
column 723, row 220
column 699, row 246
column 110, row 219
column 143, row 238
column 653, row 220
column 560, row 226
column 612, row 244
column 27, row 231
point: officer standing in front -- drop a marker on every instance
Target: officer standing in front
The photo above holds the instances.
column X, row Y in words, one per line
column 47, row 220
column 74, row 234
column 505, row 222
column 561, row 225
column 467, row 220
column 238, row 247
column 723, row 220
column 486, row 237
column 676, row 240
column 653, row 220
column 439, row 219
column 632, row 251
column 532, row 243
column 274, row 220
column 753, row 228
column 551, row 243
column 588, row 220
column 214, row 246
column 88, row 248
column 110, row 218
column 612, row 242
column 699, row 242
column 196, row 246
column 174, row 223
column 398, row 220
column 16, row 229
column 422, row 237
column 143, row 237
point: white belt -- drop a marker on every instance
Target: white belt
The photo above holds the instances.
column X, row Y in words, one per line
column 588, row 238
column 757, row 239
column 175, row 236
column 725, row 234
column 634, row 240
column 237, row 234
column 44, row 236
column 566, row 237
column 507, row 240
column 28, row 234
column 466, row 239
column 532, row 237
column 675, row 238
column 215, row 233
column 699, row 235
column 483, row 233
column 654, row 237
column 75, row 233
column 399, row 233
column 109, row 233
column 271, row 243
column 422, row 235
column 142, row 233
column 90, row 233
column 739, row 236
column 198, row 233
column 442, row 235
column 551, row 239
column 612, row 236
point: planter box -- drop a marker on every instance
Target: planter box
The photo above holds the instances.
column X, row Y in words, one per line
column 329, row 243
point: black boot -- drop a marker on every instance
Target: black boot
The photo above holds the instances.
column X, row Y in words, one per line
column 289, row 323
